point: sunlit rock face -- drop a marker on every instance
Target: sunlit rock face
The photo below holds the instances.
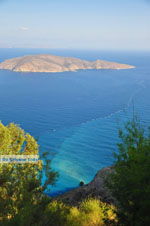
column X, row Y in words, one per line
column 50, row 63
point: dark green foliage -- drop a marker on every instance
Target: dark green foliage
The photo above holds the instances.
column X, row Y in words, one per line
column 81, row 183
column 130, row 182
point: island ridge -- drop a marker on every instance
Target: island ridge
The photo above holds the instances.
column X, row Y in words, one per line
column 50, row 63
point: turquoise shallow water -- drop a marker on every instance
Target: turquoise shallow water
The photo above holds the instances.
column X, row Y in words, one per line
column 76, row 115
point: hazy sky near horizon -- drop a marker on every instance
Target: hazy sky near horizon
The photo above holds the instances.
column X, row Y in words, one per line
column 75, row 24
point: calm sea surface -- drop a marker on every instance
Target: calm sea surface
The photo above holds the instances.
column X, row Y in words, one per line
column 76, row 115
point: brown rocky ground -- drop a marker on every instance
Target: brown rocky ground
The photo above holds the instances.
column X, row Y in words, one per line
column 96, row 189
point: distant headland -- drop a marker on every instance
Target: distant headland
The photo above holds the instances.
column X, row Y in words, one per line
column 50, row 63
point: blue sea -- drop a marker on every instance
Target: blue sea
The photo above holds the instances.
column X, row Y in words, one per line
column 76, row 115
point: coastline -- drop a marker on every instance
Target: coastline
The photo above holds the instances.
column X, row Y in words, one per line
column 50, row 64
column 94, row 189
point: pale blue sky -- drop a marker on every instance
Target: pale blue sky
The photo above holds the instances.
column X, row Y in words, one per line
column 75, row 24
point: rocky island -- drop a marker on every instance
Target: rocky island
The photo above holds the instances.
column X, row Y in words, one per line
column 50, row 63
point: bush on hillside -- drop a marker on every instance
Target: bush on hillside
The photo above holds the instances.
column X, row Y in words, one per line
column 21, row 188
column 130, row 184
column 90, row 212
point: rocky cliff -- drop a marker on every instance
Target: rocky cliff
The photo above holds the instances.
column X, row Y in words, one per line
column 96, row 189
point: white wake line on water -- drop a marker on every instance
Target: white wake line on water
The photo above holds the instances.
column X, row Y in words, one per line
column 75, row 174
column 130, row 101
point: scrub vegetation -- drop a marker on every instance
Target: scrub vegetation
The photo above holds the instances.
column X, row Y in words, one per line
column 22, row 194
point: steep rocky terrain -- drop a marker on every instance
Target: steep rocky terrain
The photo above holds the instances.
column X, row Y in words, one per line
column 96, row 189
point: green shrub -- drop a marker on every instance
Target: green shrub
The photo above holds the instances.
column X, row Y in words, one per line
column 130, row 182
column 21, row 188
column 90, row 212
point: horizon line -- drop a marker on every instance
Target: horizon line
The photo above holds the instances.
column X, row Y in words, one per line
column 78, row 49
